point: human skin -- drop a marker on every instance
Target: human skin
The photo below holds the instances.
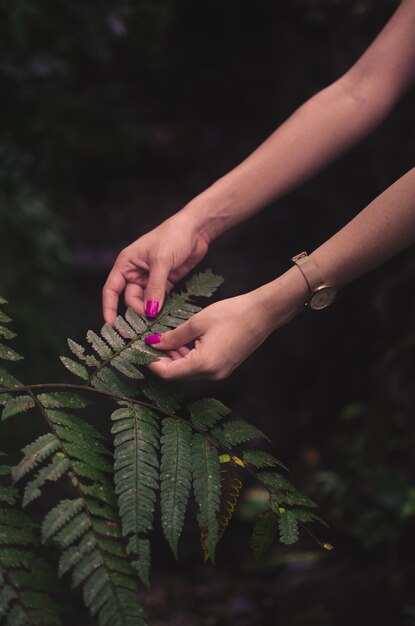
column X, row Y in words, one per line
column 318, row 132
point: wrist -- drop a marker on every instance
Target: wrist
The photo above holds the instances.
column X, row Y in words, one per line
column 212, row 212
column 282, row 298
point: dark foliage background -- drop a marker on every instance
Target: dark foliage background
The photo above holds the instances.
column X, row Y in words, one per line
column 113, row 115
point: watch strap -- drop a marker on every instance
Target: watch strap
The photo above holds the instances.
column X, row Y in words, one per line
column 310, row 271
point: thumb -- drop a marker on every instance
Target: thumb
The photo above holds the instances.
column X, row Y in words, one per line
column 156, row 288
column 176, row 338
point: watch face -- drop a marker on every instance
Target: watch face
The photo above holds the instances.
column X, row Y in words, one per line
column 322, row 297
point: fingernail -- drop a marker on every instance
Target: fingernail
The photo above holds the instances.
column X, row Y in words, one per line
column 152, row 308
column 151, row 339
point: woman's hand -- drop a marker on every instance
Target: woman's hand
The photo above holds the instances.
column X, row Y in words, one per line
column 226, row 332
column 153, row 264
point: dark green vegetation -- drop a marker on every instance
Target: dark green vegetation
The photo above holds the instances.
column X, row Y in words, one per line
column 102, row 523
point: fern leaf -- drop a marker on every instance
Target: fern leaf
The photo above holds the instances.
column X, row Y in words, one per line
column 123, row 365
column 237, row 431
column 136, row 440
column 99, row 345
column 203, row 284
column 8, row 354
column 206, row 485
column 74, row 367
column 264, row 533
column 167, row 396
column 7, row 380
column 6, row 333
column 124, row 328
column 107, row 380
column 109, row 587
column 261, row 459
column 41, row 449
column 307, row 516
column 25, row 578
column 17, row 405
column 288, row 526
column 175, row 476
column 63, row 399
column 231, row 485
column 112, row 337
column 207, row 413
column 62, row 418
column 135, row 321
column 54, row 471
column 286, row 493
column 8, row 494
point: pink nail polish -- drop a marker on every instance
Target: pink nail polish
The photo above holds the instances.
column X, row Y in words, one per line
column 151, row 339
column 152, row 308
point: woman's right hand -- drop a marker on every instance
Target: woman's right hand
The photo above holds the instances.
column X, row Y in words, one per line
column 153, row 264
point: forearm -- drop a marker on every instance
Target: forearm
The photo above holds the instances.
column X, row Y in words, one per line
column 322, row 129
column 384, row 228
column 319, row 131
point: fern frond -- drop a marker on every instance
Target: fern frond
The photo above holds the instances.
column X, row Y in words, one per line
column 108, row 580
column 175, row 476
column 285, row 492
column 261, row 459
column 8, row 354
column 63, row 400
column 26, row 579
column 265, row 532
column 231, row 485
column 206, row 486
column 288, row 526
column 236, row 432
column 136, row 441
column 167, row 396
column 34, row 453
column 17, row 405
column 207, row 413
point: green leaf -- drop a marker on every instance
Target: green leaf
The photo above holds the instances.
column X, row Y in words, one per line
column 73, row 422
column 264, row 533
column 36, row 452
column 288, row 526
column 176, row 476
column 107, row 380
column 136, row 473
column 63, row 399
column 4, row 318
column 17, row 405
column 135, row 321
column 6, row 333
column 124, row 328
column 168, row 396
column 112, row 337
column 52, row 472
column 8, row 494
column 8, row 354
column 60, row 516
column 74, row 367
column 237, row 431
column 206, row 413
column 260, row 459
column 207, row 490
column 203, row 284
column 7, row 380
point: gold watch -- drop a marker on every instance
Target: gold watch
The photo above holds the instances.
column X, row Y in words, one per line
column 321, row 294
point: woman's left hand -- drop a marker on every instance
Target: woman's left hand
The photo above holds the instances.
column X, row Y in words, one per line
column 227, row 332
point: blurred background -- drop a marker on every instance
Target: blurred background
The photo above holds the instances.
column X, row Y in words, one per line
column 113, row 115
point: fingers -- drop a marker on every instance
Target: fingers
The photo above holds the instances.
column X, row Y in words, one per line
column 156, row 288
column 174, row 368
column 177, row 338
column 133, row 297
column 110, row 294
